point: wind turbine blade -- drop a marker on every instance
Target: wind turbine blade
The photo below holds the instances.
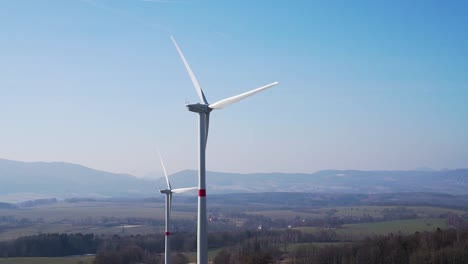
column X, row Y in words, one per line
column 182, row 190
column 228, row 101
column 190, row 72
column 165, row 172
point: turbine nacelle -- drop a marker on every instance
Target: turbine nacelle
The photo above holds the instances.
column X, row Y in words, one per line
column 166, row 191
column 199, row 108
column 169, row 189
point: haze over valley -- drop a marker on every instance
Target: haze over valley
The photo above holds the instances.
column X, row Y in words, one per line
column 30, row 180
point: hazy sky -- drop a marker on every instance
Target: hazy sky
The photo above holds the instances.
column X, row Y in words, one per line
column 363, row 84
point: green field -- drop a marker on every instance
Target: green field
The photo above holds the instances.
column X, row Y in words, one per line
column 70, row 229
column 59, row 212
column 58, row 260
column 284, row 214
column 403, row 226
column 58, row 218
column 378, row 211
column 354, row 211
column 359, row 231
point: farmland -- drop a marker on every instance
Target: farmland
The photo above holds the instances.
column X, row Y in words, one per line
column 288, row 226
column 142, row 218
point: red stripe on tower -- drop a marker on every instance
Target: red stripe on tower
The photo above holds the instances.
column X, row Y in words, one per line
column 202, row 192
column 167, row 233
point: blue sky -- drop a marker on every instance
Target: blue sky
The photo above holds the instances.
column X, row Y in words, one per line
column 363, row 84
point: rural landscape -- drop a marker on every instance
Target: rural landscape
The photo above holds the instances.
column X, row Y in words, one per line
column 233, row 132
column 353, row 222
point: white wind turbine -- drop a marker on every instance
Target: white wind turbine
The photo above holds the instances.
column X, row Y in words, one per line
column 203, row 109
column 168, row 192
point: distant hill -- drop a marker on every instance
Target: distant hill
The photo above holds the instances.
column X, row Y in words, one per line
column 68, row 180
column 7, row 206
column 47, row 180
column 332, row 181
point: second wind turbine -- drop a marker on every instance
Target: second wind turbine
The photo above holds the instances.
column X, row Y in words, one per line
column 168, row 192
column 204, row 109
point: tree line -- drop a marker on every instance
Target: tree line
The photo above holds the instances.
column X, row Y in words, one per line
column 254, row 247
column 437, row 247
column 50, row 245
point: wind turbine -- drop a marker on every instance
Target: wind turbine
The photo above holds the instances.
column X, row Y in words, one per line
column 204, row 109
column 168, row 192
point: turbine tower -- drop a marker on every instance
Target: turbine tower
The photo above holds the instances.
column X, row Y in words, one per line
column 204, row 109
column 168, row 192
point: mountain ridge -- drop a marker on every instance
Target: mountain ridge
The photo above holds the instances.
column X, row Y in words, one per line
column 66, row 180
